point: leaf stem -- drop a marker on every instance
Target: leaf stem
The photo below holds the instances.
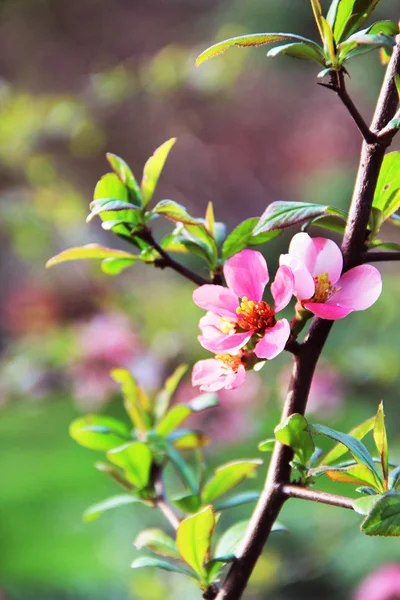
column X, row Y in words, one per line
column 167, row 261
column 272, row 497
column 160, row 501
column 297, row 491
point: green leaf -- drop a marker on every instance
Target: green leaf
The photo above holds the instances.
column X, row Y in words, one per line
column 364, row 489
column 359, row 473
column 210, row 218
column 157, row 541
column 98, row 432
column 237, row 500
column 346, row 16
column 135, row 459
column 179, row 413
column 150, row 561
column 188, row 439
column 362, row 42
column 193, row 538
column 384, row 517
column 255, row 39
column 136, row 402
column 95, row 511
column 242, row 237
column 90, row 251
column 175, row 212
column 115, row 474
column 381, row 442
column 298, row 50
column 317, row 10
column 183, row 469
column 228, row 476
column 110, row 186
column 394, row 124
column 189, row 503
column 376, row 219
column 363, row 505
column 280, row 215
column 230, row 540
column 114, row 266
column 329, row 43
column 384, row 245
column 152, row 170
column 164, row 397
column 126, row 176
column 198, row 241
column 394, row 478
column 355, row 447
column 267, row 445
column 293, row 433
column 108, row 205
column 387, row 193
column 336, row 223
column 357, row 432
column 397, row 84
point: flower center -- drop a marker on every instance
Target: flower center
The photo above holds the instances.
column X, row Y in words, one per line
column 231, row 362
column 255, row 316
column 323, row 289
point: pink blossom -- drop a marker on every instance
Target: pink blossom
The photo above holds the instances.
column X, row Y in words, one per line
column 223, row 371
column 237, row 313
column 317, row 265
column 381, row 584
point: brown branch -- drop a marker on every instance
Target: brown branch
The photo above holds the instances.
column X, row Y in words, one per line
column 167, row 261
column 272, row 497
column 296, row 491
column 380, row 256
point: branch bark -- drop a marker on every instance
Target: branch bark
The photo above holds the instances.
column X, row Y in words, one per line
column 296, row 491
column 272, row 497
column 380, row 256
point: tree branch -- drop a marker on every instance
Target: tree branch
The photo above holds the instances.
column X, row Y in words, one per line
column 167, row 261
column 160, row 501
column 272, row 496
column 380, row 256
column 296, row 491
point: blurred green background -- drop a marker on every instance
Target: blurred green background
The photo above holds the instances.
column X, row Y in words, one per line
column 83, row 77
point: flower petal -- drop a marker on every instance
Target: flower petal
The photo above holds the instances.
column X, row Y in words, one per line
column 217, row 299
column 209, row 375
column 329, row 259
column 304, row 285
column 328, row 311
column 303, row 248
column 282, row 288
column 236, row 379
column 225, row 344
column 359, row 288
column 212, row 325
column 246, row 274
column 274, row 340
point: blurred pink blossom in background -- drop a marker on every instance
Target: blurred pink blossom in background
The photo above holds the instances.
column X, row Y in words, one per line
column 381, row 584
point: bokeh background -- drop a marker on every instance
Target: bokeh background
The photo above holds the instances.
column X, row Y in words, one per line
column 83, row 77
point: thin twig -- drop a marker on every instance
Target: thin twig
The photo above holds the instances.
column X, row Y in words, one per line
column 296, row 491
column 160, row 501
column 167, row 261
column 272, row 497
column 380, row 256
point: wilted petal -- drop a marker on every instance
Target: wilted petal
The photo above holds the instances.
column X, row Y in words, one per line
column 329, row 259
column 359, row 288
column 225, row 343
column 328, row 311
column 303, row 248
column 217, row 299
column 274, row 340
column 304, row 285
column 246, row 274
column 282, row 288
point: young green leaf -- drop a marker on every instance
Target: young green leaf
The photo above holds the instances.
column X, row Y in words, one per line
column 242, row 237
column 115, row 474
column 293, row 433
column 152, row 170
column 358, row 432
column 362, row 42
column 387, row 193
column 135, row 459
column 193, row 538
column 227, row 477
column 157, row 541
column 237, row 500
column 115, row 266
column 189, row 503
column 298, row 50
column 346, row 16
column 136, row 402
column 355, row 447
column 359, row 474
column 381, row 443
column 246, row 41
column 317, row 10
column 210, row 219
column 230, row 540
column 329, row 42
column 384, row 517
column 151, row 561
column 188, row 439
column 175, row 212
column 363, row 505
column 179, row 413
column 184, row 471
column 90, row 251
column 394, row 478
column 110, row 186
column 164, row 397
column 98, row 432
column 397, row 83
column 267, row 445
column 280, row 215
column 95, row 511
column 126, row 176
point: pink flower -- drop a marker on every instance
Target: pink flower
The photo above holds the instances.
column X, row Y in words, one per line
column 223, row 371
column 381, row 584
column 237, row 313
column 317, row 266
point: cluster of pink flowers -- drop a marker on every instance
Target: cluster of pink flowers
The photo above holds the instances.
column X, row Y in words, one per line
column 242, row 329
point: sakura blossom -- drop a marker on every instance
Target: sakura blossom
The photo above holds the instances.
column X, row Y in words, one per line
column 237, row 315
column 223, row 371
column 381, row 584
column 319, row 285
